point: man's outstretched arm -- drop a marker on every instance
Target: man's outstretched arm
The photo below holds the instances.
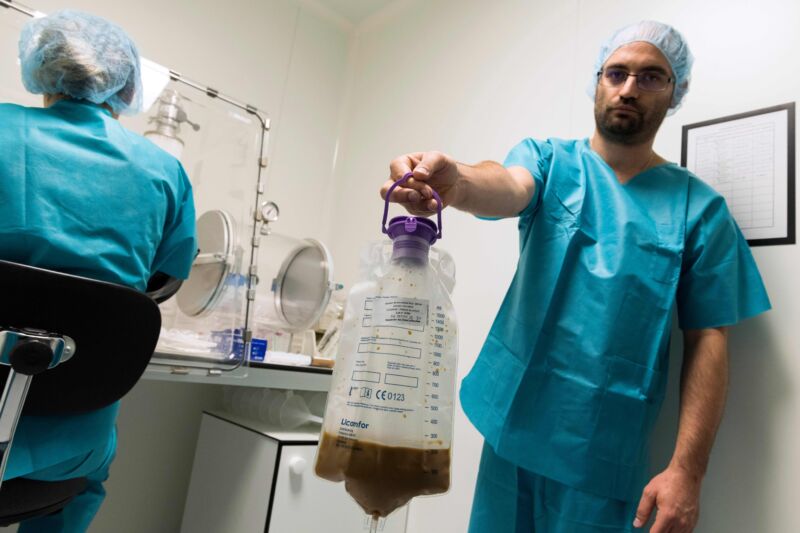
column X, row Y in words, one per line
column 485, row 189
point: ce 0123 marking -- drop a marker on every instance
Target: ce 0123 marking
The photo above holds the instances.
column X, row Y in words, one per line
column 385, row 395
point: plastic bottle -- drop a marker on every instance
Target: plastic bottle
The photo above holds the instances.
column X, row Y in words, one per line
column 388, row 424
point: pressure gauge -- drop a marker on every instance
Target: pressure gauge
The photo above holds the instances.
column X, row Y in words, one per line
column 270, row 212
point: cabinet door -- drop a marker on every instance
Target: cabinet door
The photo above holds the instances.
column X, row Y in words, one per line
column 304, row 503
column 231, row 480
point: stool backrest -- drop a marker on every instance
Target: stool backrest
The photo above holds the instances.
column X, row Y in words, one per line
column 115, row 330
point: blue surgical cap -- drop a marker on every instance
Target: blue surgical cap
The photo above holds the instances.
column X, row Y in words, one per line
column 84, row 57
column 666, row 39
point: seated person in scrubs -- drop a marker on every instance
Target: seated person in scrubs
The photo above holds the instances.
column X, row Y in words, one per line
column 81, row 194
column 571, row 378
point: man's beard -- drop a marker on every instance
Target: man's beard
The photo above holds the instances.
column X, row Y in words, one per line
column 635, row 128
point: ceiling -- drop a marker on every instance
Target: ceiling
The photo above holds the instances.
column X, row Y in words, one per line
column 355, row 10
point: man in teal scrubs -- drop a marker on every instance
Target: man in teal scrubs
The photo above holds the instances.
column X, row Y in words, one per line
column 81, row 194
column 570, row 381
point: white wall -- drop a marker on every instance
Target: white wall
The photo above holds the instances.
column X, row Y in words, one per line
column 472, row 78
column 286, row 57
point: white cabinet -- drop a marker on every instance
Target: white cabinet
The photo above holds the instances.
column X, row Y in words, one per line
column 248, row 478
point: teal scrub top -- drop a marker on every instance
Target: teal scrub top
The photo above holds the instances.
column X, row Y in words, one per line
column 572, row 375
column 81, row 194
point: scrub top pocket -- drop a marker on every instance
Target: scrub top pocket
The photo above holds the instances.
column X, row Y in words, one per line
column 665, row 261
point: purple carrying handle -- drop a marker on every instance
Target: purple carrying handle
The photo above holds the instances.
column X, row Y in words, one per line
column 435, row 196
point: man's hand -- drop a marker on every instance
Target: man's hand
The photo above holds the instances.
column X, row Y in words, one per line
column 675, row 493
column 485, row 189
column 432, row 170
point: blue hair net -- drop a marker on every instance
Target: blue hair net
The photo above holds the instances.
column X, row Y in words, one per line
column 666, row 39
column 82, row 56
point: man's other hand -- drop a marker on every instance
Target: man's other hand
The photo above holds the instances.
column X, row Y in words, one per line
column 675, row 495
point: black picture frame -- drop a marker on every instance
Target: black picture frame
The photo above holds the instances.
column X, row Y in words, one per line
column 790, row 237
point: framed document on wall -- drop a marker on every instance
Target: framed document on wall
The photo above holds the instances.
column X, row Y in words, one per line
column 749, row 158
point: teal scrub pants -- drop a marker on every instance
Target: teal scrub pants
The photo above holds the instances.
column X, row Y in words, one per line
column 509, row 499
column 76, row 516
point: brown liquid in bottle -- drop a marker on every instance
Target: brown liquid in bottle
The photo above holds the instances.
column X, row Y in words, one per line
column 382, row 478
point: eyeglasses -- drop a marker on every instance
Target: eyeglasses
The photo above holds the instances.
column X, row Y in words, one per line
column 647, row 80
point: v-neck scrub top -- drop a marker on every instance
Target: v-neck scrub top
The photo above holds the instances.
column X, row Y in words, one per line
column 81, row 194
column 571, row 378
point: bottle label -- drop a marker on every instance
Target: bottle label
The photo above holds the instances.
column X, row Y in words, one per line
column 388, row 311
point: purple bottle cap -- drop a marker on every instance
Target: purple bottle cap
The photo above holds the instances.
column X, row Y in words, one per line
column 419, row 227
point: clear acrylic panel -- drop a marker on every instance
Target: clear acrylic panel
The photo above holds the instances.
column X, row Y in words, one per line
column 220, row 147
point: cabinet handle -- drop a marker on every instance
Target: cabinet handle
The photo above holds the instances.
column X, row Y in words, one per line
column 297, row 465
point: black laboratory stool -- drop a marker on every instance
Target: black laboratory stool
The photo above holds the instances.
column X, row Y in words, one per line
column 86, row 342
